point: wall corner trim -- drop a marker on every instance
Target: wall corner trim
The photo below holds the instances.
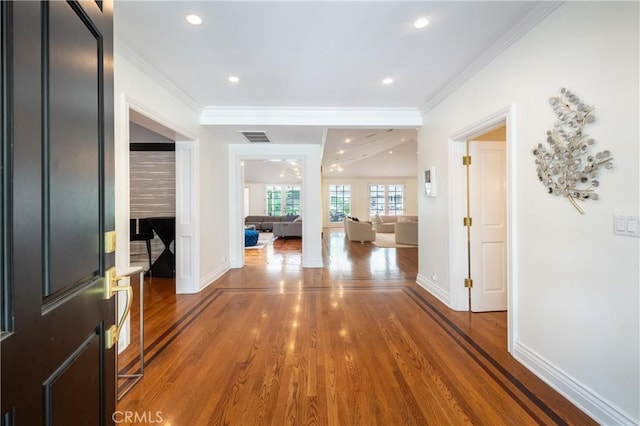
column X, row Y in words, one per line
column 212, row 276
column 529, row 21
column 582, row 396
column 439, row 293
column 306, row 116
column 125, row 51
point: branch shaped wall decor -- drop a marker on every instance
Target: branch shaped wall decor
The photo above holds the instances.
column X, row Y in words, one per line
column 564, row 164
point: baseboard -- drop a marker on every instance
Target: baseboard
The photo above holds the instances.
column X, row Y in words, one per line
column 312, row 264
column 213, row 275
column 580, row 395
column 439, row 293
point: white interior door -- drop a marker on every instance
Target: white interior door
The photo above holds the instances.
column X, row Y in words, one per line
column 187, row 241
column 488, row 210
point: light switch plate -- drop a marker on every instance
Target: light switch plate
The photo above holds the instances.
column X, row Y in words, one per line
column 626, row 225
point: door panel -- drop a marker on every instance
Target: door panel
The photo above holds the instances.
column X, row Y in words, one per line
column 73, row 144
column 493, row 268
column 69, row 398
column 488, row 234
column 58, row 202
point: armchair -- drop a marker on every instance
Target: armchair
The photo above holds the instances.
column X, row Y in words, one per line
column 359, row 231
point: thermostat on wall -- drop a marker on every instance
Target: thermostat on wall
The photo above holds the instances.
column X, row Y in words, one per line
column 430, row 182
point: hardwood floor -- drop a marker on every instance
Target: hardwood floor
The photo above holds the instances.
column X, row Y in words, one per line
column 356, row 342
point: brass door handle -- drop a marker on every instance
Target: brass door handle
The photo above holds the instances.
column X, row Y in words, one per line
column 112, row 287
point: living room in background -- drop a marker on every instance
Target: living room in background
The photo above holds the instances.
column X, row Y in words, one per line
column 386, row 199
column 339, row 202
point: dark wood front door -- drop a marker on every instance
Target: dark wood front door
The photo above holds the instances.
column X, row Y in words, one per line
column 57, row 204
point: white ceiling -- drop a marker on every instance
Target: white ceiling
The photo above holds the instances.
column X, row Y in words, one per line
column 318, row 54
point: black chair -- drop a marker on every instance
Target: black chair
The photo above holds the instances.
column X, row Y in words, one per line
column 140, row 230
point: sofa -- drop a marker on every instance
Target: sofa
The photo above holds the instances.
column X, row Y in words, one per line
column 358, row 231
column 387, row 224
column 288, row 229
column 265, row 223
column 407, row 233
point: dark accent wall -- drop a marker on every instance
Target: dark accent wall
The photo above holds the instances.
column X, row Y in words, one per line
column 152, row 179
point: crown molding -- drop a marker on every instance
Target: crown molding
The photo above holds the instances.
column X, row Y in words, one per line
column 527, row 23
column 123, row 49
column 304, row 116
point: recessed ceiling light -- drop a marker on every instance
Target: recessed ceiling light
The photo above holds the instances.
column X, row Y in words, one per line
column 340, row 169
column 281, row 174
column 341, row 151
column 390, row 152
column 387, row 80
column 193, row 19
column 402, row 140
column 234, row 79
column 347, row 140
column 420, row 23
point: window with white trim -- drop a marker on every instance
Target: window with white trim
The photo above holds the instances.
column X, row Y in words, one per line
column 386, row 199
column 292, row 200
column 274, row 200
column 376, row 200
column 282, row 200
column 339, row 202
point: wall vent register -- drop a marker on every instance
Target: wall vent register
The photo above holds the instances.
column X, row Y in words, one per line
column 256, row 137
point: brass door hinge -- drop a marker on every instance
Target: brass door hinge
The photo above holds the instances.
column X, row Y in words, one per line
column 466, row 221
column 466, row 160
column 110, row 241
column 468, row 283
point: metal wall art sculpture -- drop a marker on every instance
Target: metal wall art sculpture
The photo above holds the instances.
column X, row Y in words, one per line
column 565, row 166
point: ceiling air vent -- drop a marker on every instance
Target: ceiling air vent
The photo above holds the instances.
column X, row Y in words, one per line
column 256, row 137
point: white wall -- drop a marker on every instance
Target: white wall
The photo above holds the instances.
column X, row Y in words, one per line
column 575, row 284
column 214, row 193
column 360, row 196
column 257, row 196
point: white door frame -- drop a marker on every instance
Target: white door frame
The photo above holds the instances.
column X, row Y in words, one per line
column 187, row 193
column 457, row 206
column 309, row 157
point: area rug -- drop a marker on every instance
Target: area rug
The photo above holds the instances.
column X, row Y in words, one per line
column 264, row 239
column 388, row 240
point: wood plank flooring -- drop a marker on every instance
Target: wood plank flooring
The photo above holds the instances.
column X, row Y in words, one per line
column 354, row 343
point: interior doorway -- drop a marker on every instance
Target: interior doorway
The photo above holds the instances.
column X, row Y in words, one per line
column 152, row 193
column 482, row 246
column 186, row 244
column 487, row 228
column 308, row 157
